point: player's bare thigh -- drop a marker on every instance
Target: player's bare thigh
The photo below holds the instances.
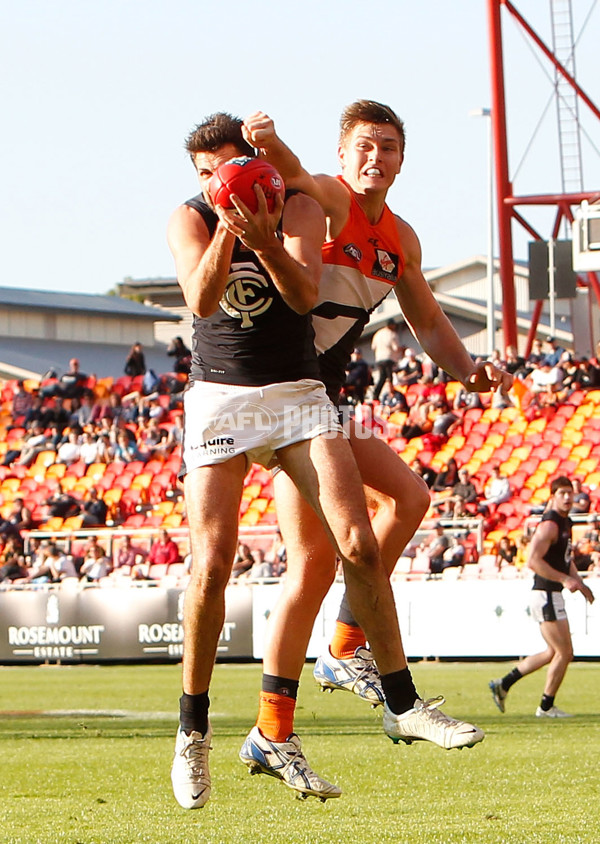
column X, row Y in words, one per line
column 325, row 472
column 212, row 498
column 383, row 470
column 310, row 554
column 557, row 635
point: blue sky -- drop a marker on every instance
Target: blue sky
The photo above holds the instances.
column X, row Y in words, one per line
column 98, row 96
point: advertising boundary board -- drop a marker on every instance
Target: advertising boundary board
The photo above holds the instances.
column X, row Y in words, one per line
column 123, row 623
column 460, row 619
column 456, row 619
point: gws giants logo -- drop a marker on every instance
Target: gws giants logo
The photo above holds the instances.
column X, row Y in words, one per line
column 352, row 251
column 246, row 296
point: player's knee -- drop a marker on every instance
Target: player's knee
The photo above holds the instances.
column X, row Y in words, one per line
column 415, row 503
column 360, row 549
column 210, row 572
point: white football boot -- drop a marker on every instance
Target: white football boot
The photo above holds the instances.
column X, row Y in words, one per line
column 426, row 722
column 553, row 712
column 189, row 773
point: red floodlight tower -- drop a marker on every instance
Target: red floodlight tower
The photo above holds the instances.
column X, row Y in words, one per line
column 507, row 202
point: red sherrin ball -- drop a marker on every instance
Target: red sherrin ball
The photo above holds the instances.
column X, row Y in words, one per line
column 238, row 176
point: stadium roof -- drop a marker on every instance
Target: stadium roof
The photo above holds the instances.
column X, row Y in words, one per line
column 16, row 297
column 32, row 357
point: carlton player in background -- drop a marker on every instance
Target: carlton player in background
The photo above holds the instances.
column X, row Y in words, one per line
column 551, row 560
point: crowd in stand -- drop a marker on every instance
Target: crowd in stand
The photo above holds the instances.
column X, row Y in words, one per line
column 79, row 420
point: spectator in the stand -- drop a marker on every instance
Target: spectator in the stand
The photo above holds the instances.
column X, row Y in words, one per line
column 94, row 510
column 442, row 418
column 56, row 414
column 18, row 519
column 127, row 553
column 89, row 448
column 105, row 448
column 417, row 421
column 102, row 409
column 587, row 376
column 182, row 355
column 163, row 550
column 434, row 547
column 243, row 560
column 447, row 476
column 581, row 498
column 465, row 488
column 515, row 363
column 425, row 472
column 64, row 567
column 546, row 378
column 81, row 415
column 391, row 400
column 536, row 356
column 463, row 399
column 125, row 450
column 175, row 433
column 72, row 384
column 497, row 489
column 455, row 553
column 22, row 402
column 135, row 363
column 278, row 555
column 61, row 504
column 496, row 359
column 358, row 378
column 387, row 350
column 552, row 352
column 70, row 450
column 14, row 567
column 506, row 552
column 44, row 569
column 522, row 551
column 409, row 369
column 261, row 567
column 96, row 565
column 34, row 443
column 152, row 439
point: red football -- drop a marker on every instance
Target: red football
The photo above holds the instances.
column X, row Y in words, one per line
column 238, row 176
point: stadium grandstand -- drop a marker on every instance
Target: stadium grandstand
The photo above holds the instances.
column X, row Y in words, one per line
column 534, row 436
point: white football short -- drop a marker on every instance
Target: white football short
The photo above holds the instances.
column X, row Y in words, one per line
column 547, row 606
column 224, row 420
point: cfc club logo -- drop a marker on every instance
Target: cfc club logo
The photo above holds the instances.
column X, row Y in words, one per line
column 246, row 296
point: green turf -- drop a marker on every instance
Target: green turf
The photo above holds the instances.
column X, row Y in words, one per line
column 104, row 779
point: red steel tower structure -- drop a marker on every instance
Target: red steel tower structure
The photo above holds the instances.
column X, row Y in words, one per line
column 507, row 202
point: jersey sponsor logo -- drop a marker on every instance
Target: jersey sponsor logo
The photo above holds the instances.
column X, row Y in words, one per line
column 352, row 250
column 246, row 296
column 386, row 265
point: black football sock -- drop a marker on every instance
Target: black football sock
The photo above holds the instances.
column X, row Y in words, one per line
column 280, row 685
column 510, row 679
column 193, row 712
column 547, row 702
column 399, row 690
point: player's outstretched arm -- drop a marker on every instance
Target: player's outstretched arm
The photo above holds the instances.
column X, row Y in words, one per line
column 201, row 263
column 433, row 329
column 330, row 193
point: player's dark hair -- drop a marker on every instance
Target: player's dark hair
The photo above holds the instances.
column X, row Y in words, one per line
column 217, row 130
column 369, row 111
column 559, row 483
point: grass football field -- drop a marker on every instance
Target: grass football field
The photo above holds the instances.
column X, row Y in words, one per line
column 85, row 754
